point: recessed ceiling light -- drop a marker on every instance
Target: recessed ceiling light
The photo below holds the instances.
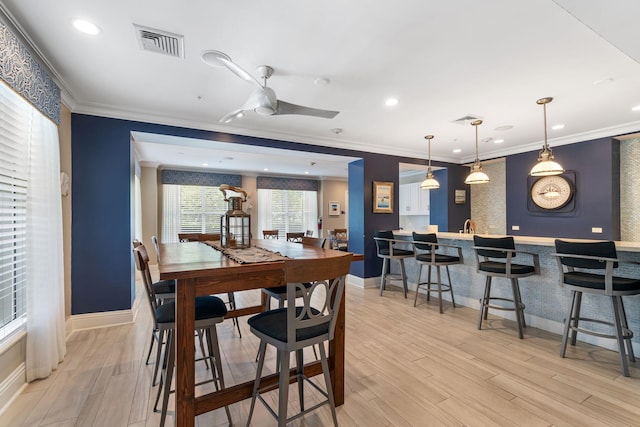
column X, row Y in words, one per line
column 321, row 81
column 240, row 115
column 457, row 150
column 306, row 172
column 86, row 27
column 390, row 102
column 336, row 130
column 636, row 108
column 205, row 164
column 503, row 128
column 498, row 141
column 265, row 169
column 558, row 127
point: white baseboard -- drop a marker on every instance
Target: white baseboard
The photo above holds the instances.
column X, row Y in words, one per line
column 360, row 282
column 11, row 387
column 105, row 319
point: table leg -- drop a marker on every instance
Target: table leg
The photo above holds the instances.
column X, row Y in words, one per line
column 185, row 353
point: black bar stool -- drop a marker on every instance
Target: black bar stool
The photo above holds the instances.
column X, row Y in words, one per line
column 385, row 244
column 578, row 263
column 494, row 259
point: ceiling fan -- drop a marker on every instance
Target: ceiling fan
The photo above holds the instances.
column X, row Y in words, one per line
column 263, row 99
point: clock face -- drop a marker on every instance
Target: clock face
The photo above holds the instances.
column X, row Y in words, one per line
column 551, row 192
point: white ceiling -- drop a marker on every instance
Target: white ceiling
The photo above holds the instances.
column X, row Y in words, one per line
column 441, row 60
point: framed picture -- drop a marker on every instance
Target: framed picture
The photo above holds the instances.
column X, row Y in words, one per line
column 334, row 208
column 460, row 197
column 382, row 197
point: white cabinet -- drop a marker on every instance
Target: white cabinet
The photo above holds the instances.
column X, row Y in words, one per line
column 413, row 199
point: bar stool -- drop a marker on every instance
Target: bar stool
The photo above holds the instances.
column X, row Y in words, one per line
column 270, row 234
column 578, row 262
column 424, row 250
column 385, row 244
column 497, row 255
column 295, row 237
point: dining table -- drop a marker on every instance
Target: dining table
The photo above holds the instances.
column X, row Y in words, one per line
column 201, row 268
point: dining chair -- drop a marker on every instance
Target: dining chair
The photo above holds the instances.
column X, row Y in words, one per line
column 205, row 237
column 209, row 311
column 295, row 327
column 270, row 234
column 341, row 239
column 581, row 265
column 316, row 242
column 198, row 237
column 295, row 237
column 387, row 250
column 494, row 258
column 426, row 252
column 309, row 233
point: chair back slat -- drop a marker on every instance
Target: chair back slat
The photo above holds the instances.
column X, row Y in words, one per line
column 428, row 238
column 320, row 284
column 604, row 249
column 295, row 237
column 270, row 234
column 494, row 242
column 316, row 242
column 382, row 244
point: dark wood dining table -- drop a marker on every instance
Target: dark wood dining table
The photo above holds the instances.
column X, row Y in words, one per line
column 200, row 269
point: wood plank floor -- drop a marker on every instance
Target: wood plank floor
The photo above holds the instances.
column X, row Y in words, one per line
column 405, row 366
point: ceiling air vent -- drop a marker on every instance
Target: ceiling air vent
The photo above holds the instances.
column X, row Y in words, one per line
column 466, row 120
column 160, row 41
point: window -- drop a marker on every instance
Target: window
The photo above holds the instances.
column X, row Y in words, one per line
column 287, row 210
column 191, row 209
column 14, row 180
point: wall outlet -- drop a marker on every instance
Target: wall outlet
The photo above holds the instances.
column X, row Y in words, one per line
column 596, row 229
column 515, row 227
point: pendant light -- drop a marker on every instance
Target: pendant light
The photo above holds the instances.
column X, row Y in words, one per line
column 545, row 166
column 430, row 183
column 476, row 176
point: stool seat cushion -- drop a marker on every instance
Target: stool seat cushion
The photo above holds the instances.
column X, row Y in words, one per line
column 440, row 258
column 596, row 281
column 206, row 307
column 396, row 252
column 501, row 268
column 273, row 323
column 164, row 287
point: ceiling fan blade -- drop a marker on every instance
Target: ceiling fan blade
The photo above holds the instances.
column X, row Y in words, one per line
column 232, row 116
column 288, row 108
column 216, row 58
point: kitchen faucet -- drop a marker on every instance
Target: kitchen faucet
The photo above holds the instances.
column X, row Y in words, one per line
column 469, row 226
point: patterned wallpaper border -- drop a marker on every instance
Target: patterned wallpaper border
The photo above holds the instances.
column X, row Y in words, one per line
column 24, row 74
column 273, row 183
column 209, row 179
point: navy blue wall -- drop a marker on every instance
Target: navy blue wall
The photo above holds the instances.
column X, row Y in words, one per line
column 438, row 204
column 102, row 186
column 597, row 197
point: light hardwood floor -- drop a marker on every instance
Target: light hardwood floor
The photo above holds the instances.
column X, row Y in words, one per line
column 405, row 366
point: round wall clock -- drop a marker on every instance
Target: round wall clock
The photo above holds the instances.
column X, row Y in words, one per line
column 551, row 192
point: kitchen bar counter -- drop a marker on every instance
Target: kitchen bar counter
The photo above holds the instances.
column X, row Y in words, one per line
column 546, row 300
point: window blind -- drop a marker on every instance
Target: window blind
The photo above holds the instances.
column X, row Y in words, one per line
column 287, row 210
column 13, row 199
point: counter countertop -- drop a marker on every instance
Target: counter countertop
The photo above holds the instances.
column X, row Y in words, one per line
column 521, row 240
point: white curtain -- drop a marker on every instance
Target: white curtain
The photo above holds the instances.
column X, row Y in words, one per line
column 170, row 213
column 45, row 277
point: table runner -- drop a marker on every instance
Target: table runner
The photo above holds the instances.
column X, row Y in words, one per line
column 251, row 255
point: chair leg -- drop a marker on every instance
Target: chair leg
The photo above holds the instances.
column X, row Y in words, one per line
column 429, row 283
column 214, row 350
column 484, row 302
column 518, row 307
column 161, row 338
column 453, row 301
column 232, row 304
column 165, row 363
column 261, row 355
column 299, row 375
column 439, row 289
column 415, row 299
column 283, row 388
column 625, row 325
column 620, row 335
column 154, row 337
column 576, row 318
column 168, row 377
column 524, row 323
column 201, row 333
column 567, row 324
column 327, row 380
column 405, row 288
column 383, row 277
